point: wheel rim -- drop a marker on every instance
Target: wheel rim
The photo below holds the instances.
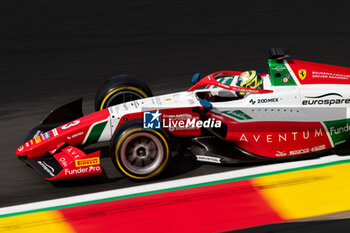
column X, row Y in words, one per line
column 122, row 97
column 142, row 153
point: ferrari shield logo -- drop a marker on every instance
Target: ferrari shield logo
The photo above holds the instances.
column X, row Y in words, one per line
column 302, row 74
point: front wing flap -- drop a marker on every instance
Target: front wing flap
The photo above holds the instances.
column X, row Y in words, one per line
column 67, row 162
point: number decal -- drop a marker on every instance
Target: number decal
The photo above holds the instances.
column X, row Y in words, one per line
column 66, row 126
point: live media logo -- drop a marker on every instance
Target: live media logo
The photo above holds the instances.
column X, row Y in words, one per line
column 151, row 120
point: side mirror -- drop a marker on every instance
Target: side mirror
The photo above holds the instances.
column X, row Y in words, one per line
column 196, row 77
column 206, row 104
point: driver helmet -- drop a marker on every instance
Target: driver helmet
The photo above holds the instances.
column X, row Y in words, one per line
column 249, row 79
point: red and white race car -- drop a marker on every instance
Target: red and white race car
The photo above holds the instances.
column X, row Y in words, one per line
column 301, row 112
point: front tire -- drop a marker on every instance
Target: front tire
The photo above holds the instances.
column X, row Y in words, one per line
column 120, row 89
column 140, row 153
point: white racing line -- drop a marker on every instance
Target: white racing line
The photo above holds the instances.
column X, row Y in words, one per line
column 164, row 186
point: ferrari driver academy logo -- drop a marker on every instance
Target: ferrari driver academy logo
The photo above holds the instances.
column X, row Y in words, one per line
column 302, row 74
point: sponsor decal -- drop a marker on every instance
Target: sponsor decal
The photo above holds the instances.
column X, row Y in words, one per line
column 54, row 132
column 339, row 130
column 340, row 142
column 279, row 68
column 302, row 74
column 280, row 153
column 326, row 102
column 328, row 94
column 47, row 135
column 281, row 137
column 20, row 148
column 317, row 101
column 238, row 114
column 168, row 99
column 286, row 79
column 44, row 136
column 318, row 148
column 72, row 152
column 263, row 101
column 151, row 120
column 81, row 170
column 299, row 151
column 87, row 162
column 327, row 75
column 210, row 159
column 68, row 125
column 63, row 161
column 47, row 168
column 75, row 135
column 37, row 139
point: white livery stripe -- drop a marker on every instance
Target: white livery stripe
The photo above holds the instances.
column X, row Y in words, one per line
column 291, row 72
column 328, row 135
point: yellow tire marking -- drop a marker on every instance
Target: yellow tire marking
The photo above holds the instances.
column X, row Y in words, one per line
column 122, row 89
column 41, row 222
column 155, row 172
column 307, row 193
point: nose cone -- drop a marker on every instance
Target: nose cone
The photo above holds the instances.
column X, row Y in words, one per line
column 20, row 151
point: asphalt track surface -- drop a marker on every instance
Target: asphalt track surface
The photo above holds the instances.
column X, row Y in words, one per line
column 53, row 52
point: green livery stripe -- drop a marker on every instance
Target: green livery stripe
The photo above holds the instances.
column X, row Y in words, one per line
column 279, row 74
column 96, row 132
column 238, row 114
column 339, row 130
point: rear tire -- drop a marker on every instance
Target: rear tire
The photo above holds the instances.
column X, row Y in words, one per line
column 120, row 89
column 140, row 153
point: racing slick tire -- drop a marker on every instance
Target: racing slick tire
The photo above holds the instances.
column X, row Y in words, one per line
column 119, row 89
column 140, row 153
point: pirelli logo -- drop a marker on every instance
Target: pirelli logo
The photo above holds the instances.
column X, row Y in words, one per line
column 87, row 162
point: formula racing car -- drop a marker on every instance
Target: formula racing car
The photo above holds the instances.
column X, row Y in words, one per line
column 301, row 112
